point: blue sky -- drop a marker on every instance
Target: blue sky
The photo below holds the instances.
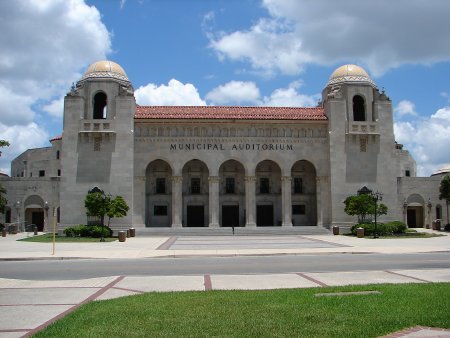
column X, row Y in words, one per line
column 227, row 52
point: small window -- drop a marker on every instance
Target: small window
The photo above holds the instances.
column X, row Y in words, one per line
column 100, row 105
column 59, row 172
column 57, row 154
column 160, row 185
column 160, row 210
column 298, row 209
column 31, row 174
column 264, row 186
column 41, row 173
column 229, row 185
column 195, row 185
column 407, row 173
column 298, row 185
column 359, row 109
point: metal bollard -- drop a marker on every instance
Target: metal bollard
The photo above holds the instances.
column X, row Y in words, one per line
column 360, row 232
column 35, row 230
column 122, row 236
column 132, row 232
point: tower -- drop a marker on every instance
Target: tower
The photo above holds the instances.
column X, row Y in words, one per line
column 361, row 138
column 97, row 142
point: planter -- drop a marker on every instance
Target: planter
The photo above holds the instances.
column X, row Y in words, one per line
column 3, row 232
column 132, row 232
column 335, row 230
column 122, row 236
column 360, row 232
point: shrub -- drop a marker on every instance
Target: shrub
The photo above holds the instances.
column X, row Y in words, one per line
column 368, row 228
column 383, row 229
column 96, row 231
column 69, row 232
column 447, row 227
column 82, row 230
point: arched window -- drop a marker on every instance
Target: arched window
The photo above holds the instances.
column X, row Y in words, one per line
column 359, row 108
column 100, row 105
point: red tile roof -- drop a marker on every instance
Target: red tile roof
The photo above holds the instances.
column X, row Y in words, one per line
column 223, row 112
column 59, row 137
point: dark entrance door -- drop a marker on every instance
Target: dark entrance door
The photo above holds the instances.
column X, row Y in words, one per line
column 37, row 217
column 411, row 215
column 264, row 215
column 195, row 216
column 230, row 215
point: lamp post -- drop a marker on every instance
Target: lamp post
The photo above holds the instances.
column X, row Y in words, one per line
column 46, row 207
column 94, row 190
column 377, row 196
column 18, row 213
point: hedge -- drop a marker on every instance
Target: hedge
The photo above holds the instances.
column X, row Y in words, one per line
column 383, row 229
column 82, row 230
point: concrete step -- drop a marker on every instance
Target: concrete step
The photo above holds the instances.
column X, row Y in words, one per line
column 270, row 231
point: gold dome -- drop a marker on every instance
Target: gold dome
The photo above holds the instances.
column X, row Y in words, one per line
column 105, row 69
column 349, row 73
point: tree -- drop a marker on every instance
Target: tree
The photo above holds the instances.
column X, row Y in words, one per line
column 444, row 192
column 363, row 205
column 3, row 200
column 100, row 205
column 96, row 205
column 116, row 207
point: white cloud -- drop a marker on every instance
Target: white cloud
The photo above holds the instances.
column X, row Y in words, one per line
column 173, row 94
column 15, row 108
column 239, row 92
column 234, row 92
column 405, row 107
column 380, row 35
column 427, row 139
column 55, row 107
column 290, row 97
column 44, row 45
column 20, row 138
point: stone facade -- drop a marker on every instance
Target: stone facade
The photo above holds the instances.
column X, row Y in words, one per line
column 221, row 166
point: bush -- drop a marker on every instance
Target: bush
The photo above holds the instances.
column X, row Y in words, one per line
column 447, row 227
column 82, row 230
column 383, row 229
column 96, row 231
column 368, row 228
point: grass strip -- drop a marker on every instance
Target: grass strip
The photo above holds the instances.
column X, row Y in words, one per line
column 268, row 313
column 48, row 238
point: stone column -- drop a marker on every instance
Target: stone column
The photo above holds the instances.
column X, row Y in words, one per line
column 250, row 201
column 286, row 200
column 177, row 201
column 213, row 201
column 319, row 182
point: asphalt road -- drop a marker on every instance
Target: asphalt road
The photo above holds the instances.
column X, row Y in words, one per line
column 81, row 268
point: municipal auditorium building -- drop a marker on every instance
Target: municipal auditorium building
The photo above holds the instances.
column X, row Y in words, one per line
column 218, row 166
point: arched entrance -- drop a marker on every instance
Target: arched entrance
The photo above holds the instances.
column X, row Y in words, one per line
column 34, row 211
column 195, row 194
column 232, row 194
column 158, row 193
column 304, row 195
column 268, row 194
column 414, row 211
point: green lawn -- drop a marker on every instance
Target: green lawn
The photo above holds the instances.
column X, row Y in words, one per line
column 48, row 238
column 274, row 313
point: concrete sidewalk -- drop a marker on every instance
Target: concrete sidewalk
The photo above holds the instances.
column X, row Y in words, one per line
column 29, row 306
column 178, row 246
